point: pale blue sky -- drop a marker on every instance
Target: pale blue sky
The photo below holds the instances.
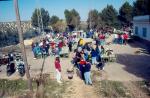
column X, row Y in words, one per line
column 55, row 7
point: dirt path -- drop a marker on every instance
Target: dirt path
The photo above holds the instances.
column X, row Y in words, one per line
column 79, row 90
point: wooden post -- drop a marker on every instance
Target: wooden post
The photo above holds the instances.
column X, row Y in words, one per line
column 22, row 44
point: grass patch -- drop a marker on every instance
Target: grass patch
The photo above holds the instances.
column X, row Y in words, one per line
column 12, row 87
column 111, row 89
column 20, row 88
column 144, row 86
column 55, row 90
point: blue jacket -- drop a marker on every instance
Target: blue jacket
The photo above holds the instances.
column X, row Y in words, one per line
column 98, row 51
column 93, row 53
column 87, row 67
column 86, row 56
column 37, row 50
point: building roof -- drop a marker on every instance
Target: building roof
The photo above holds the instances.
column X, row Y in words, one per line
column 145, row 18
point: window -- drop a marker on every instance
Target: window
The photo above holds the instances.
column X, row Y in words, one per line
column 136, row 30
column 144, row 32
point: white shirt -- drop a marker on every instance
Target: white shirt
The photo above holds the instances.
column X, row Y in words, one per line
column 115, row 35
column 41, row 44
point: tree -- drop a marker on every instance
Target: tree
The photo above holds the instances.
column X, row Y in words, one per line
column 40, row 18
column 141, row 7
column 126, row 14
column 54, row 20
column 60, row 26
column 92, row 19
column 72, row 18
column 110, row 16
column 100, row 21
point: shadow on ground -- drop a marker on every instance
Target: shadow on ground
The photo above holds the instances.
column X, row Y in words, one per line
column 139, row 65
column 144, row 48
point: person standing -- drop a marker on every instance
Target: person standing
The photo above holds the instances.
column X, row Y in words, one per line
column 81, row 68
column 125, row 38
column 122, row 39
column 58, row 69
column 87, row 73
column 94, row 55
column 98, row 51
column 33, row 46
column 115, row 38
column 70, row 46
column 119, row 39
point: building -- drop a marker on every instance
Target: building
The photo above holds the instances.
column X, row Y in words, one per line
column 4, row 26
column 141, row 27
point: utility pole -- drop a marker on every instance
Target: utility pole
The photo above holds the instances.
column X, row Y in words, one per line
column 22, row 44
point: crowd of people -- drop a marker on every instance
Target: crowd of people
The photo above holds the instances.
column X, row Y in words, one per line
column 121, row 38
column 86, row 54
column 52, row 45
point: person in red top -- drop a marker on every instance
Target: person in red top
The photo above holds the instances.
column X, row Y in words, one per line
column 58, row 69
column 60, row 45
column 102, row 39
column 52, row 44
column 81, row 67
column 125, row 38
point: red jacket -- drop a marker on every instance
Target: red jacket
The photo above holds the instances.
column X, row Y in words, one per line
column 57, row 65
column 60, row 45
column 125, row 36
column 101, row 36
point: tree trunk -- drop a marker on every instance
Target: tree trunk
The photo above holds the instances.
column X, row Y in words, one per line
column 22, row 46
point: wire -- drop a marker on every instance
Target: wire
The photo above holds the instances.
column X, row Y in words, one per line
column 40, row 18
column 39, row 27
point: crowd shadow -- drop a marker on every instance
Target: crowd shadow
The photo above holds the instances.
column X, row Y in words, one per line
column 139, row 65
column 143, row 47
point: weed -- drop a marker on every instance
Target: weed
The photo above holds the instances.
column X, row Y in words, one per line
column 111, row 89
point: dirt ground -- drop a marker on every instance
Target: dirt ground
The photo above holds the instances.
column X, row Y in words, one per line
column 129, row 66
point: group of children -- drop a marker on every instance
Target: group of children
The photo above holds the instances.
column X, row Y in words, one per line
column 121, row 38
column 48, row 47
column 84, row 57
column 41, row 48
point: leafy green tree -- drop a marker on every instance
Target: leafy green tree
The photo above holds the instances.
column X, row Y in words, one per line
column 72, row 18
column 141, row 7
column 126, row 14
column 100, row 21
column 60, row 26
column 92, row 19
column 40, row 18
column 54, row 20
column 110, row 16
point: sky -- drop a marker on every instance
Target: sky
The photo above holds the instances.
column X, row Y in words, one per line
column 54, row 7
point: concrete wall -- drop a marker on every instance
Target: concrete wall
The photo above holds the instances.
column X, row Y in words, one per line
column 140, row 30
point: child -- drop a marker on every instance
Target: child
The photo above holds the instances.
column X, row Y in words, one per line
column 87, row 73
column 100, row 65
column 81, row 68
column 58, row 69
column 94, row 55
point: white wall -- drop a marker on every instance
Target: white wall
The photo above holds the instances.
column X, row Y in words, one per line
column 140, row 30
